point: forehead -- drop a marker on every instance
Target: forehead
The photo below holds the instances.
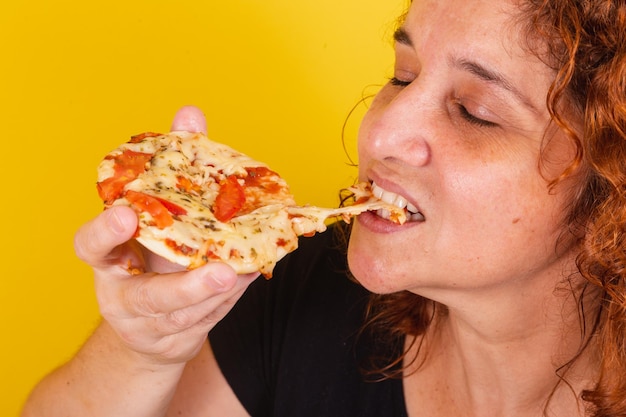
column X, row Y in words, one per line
column 484, row 32
column 470, row 20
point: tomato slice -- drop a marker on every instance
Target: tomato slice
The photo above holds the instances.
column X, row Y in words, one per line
column 263, row 178
column 173, row 208
column 230, row 199
column 144, row 203
column 127, row 166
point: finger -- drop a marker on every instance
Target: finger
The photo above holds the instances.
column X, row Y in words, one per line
column 203, row 316
column 158, row 295
column 126, row 308
column 96, row 240
column 191, row 119
column 178, row 335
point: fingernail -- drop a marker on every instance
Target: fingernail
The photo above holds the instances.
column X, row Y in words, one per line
column 219, row 277
column 115, row 222
column 217, row 282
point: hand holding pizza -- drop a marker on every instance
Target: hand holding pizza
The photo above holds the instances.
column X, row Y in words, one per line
column 157, row 308
column 208, row 209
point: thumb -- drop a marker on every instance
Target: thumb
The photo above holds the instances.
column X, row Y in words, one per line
column 96, row 240
column 190, row 119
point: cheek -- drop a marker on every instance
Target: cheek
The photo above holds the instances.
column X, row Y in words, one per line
column 487, row 200
column 512, row 215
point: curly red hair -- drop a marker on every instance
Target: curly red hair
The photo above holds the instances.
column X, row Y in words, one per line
column 585, row 43
column 587, row 46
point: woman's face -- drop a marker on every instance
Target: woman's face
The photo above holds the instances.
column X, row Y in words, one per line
column 457, row 133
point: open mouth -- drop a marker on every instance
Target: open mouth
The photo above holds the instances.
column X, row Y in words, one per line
column 412, row 212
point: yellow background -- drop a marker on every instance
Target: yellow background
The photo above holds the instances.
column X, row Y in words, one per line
column 276, row 79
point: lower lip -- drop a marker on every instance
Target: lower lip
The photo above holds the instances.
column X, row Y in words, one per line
column 377, row 224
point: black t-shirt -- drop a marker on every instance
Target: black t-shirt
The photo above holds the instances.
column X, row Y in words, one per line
column 291, row 345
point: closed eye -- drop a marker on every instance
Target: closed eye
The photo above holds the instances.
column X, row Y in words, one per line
column 398, row 82
column 473, row 119
column 464, row 113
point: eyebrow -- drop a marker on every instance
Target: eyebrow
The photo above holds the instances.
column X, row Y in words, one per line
column 493, row 77
column 401, row 36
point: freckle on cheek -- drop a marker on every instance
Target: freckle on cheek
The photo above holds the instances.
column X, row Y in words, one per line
column 516, row 220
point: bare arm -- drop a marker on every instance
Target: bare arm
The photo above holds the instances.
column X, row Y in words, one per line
column 103, row 381
column 202, row 376
column 151, row 352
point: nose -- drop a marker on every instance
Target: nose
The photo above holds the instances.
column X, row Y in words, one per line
column 396, row 126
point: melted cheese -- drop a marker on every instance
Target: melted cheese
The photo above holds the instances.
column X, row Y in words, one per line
column 311, row 219
column 250, row 242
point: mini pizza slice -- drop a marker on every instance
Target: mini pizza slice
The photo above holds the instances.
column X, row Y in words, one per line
column 199, row 201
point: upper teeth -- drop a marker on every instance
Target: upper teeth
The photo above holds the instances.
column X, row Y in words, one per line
column 398, row 201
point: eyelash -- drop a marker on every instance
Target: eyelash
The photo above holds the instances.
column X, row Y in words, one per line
column 462, row 109
column 398, row 82
column 471, row 118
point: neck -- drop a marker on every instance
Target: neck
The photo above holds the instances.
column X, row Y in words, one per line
column 505, row 356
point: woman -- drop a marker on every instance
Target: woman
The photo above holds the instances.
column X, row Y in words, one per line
column 503, row 129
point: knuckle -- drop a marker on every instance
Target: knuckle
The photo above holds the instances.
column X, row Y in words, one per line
column 179, row 319
column 108, row 311
column 108, row 302
column 90, row 243
column 142, row 299
column 129, row 336
column 208, row 321
column 81, row 245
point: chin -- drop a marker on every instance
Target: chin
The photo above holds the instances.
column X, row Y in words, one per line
column 368, row 269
